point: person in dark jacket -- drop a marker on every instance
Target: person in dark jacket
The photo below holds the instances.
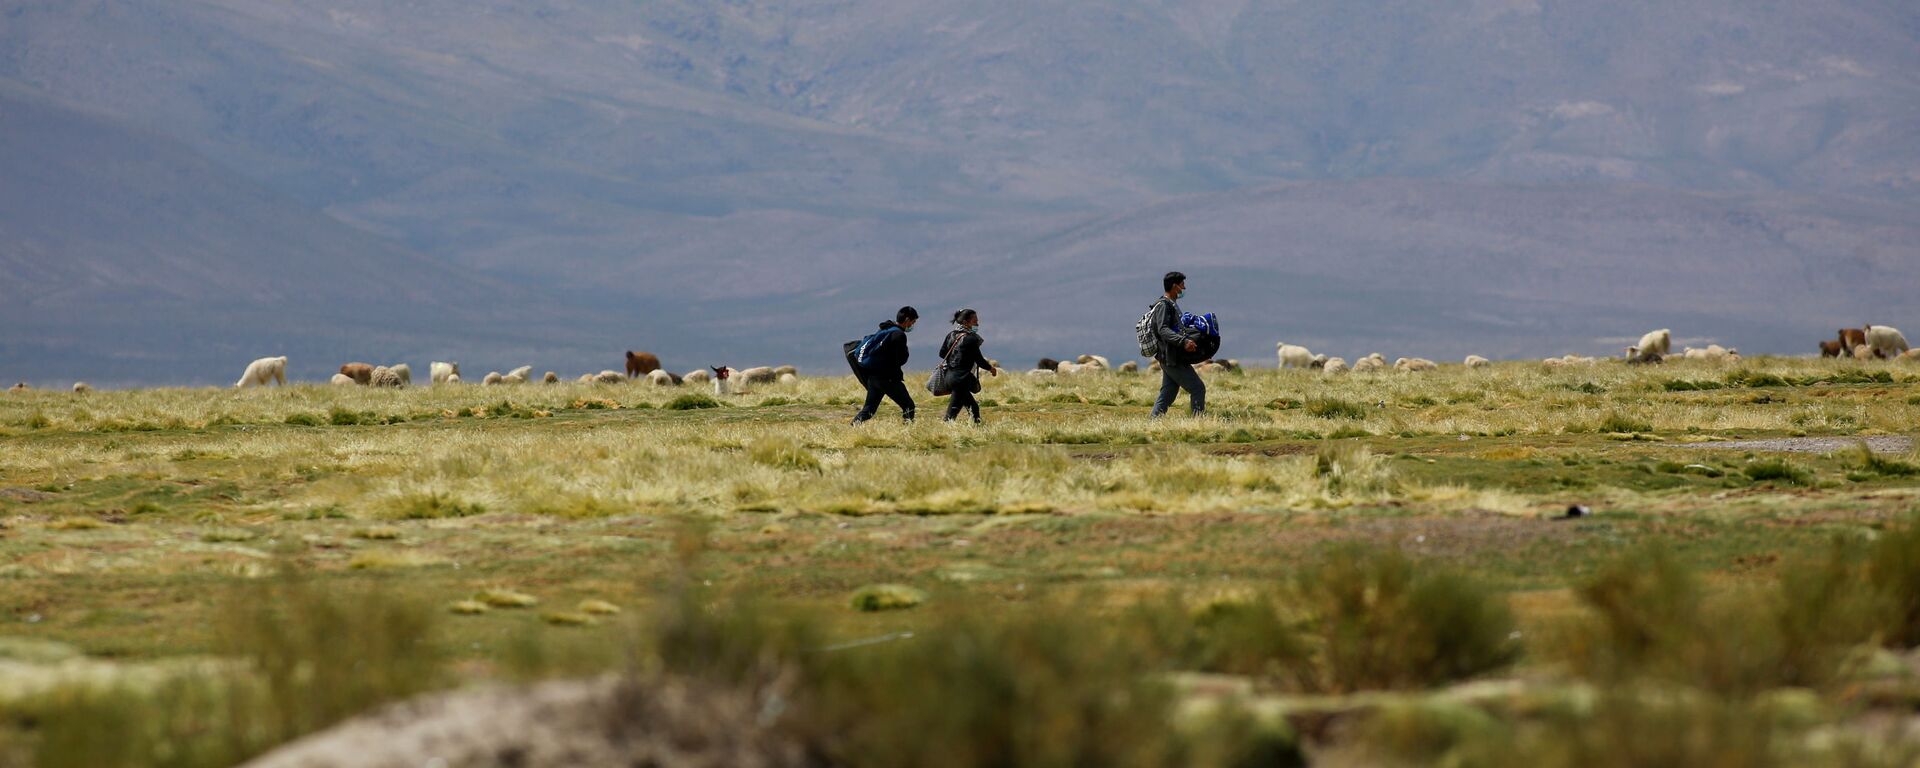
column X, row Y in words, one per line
column 962, row 349
column 1176, row 367
column 882, row 374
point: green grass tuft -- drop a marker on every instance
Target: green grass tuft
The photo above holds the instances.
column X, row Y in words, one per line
column 692, row 402
column 887, row 597
column 1333, row 408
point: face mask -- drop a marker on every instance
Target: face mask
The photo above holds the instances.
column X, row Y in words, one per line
column 906, row 329
column 1181, row 295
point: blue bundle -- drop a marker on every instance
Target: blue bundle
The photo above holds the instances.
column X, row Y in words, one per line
column 1204, row 331
column 1205, row 325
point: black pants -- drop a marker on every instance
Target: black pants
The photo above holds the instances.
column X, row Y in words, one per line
column 963, row 398
column 879, row 387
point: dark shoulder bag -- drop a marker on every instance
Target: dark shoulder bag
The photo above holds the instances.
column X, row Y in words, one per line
column 940, row 382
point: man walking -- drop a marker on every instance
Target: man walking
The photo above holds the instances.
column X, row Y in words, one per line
column 879, row 360
column 1176, row 372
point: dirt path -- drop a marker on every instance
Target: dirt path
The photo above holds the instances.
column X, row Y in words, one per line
column 1877, row 444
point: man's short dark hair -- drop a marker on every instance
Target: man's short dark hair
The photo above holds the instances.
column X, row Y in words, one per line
column 1172, row 279
column 905, row 314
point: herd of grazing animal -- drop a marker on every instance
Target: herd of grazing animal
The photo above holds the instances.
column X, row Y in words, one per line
column 1871, row 342
column 642, row 366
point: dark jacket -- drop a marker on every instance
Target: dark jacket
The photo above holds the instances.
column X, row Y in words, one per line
column 1166, row 327
column 969, row 358
column 890, row 354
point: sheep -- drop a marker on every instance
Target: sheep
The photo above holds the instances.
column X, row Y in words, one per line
column 1047, row 364
column 343, row 380
column 1067, row 369
column 1852, row 337
column 585, row 378
column 1318, row 361
column 1414, row 364
column 437, row 372
column 1713, row 353
column 1862, row 352
column 81, row 387
column 1098, row 362
column 722, row 381
column 263, row 370
column 1368, row 364
column 1334, row 366
column 550, row 378
column 1476, row 361
column 608, row 377
column 641, row 363
column 756, row 375
column 492, row 378
column 1130, row 366
column 361, row 373
column 519, row 375
column 701, row 376
column 789, row 378
column 1886, row 341
column 453, row 378
column 1209, row 367
column 404, row 371
column 659, row 378
column 1153, row 366
column 1831, row 348
column 1909, row 356
column 1231, row 363
column 385, row 377
column 1653, row 345
column 1039, row 372
column 1293, row 355
column 786, row 370
column 18, row 387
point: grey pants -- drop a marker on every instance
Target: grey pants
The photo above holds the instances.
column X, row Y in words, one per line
column 1174, row 378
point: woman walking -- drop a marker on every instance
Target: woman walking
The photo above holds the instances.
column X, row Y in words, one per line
column 961, row 351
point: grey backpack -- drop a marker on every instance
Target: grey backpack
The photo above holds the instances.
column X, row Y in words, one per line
column 1149, row 341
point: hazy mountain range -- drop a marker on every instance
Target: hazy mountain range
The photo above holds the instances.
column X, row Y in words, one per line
column 188, row 184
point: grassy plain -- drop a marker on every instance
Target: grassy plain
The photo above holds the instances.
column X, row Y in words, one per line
column 139, row 524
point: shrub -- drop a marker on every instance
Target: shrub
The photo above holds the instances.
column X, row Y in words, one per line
column 1652, row 619
column 1745, row 378
column 341, row 417
column 1778, row 469
column 692, row 402
column 1386, row 623
column 1682, row 385
column 1247, row 637
column 1619, row 422
column 1868, row 462
column 887, row 597
column 433, row 506
column 306, row 420
column 1019, row 689
column 1893, row 572
column 1350, row 469
column 783, row 453
column 1331, row 408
